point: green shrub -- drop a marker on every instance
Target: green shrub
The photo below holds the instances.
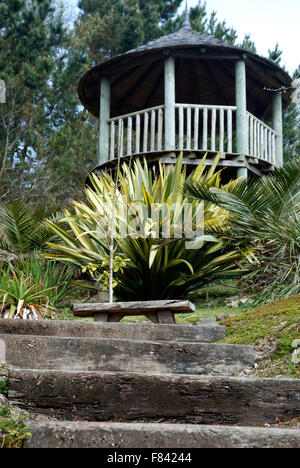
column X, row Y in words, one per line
column 157, row 269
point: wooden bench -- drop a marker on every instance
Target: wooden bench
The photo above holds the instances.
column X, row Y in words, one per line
column 156, row 311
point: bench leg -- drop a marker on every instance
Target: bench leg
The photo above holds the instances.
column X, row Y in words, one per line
column 115, row 317
column 101, row 317
column 166, row 317
column 152, row 317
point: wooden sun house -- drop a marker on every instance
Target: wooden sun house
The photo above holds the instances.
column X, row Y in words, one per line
column 189, row 92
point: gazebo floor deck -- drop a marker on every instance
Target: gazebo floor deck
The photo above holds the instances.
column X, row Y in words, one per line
column 193, row 158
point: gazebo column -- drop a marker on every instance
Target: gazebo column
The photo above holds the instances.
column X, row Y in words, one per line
column 170, row 104
column 277, row 125
column 241, row 113
column 103, row 148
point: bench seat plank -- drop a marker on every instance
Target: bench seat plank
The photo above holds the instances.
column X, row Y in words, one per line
column 133, row 308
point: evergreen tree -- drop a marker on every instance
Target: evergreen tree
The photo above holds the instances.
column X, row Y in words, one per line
column 29, row 36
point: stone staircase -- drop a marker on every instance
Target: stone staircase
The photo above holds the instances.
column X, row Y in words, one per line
column 142, row 386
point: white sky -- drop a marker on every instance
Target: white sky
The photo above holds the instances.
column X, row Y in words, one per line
column 268, row 22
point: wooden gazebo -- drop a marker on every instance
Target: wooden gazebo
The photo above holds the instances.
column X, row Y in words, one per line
column 189, row 92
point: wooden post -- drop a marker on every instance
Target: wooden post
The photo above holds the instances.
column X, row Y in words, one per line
column 103, row 146
column 170, row 104
column 277, row 125
column 241, row 113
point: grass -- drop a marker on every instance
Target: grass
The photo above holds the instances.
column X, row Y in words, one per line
column 271, row 329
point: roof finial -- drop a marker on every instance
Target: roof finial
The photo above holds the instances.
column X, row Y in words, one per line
column 186, row 20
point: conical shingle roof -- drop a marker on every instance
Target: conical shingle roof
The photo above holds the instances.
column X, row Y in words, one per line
column 204, row 74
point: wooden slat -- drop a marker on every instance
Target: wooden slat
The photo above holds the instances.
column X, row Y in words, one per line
column 262, row 142
column 273, row 148
column 160, row 129
column 221, row 131
column 251, row 136
column 112, row 140
column 196, row 128
column 152, row 138
column 146, row 125
column 133, row 308
column 137, row 133
column 189, row 128
column 213, row 129
column 205, row 129
column 120, row 137
column 181, row 127
column 270, row 146
column 247, row 133
column 129, row 136
column 229, row 131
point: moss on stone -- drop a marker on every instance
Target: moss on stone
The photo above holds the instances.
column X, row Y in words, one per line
column 272, row 328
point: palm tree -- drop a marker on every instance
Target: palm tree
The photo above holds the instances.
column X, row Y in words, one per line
column 265, row 213
column 22, row 230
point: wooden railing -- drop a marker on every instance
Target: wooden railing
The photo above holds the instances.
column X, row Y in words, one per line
column 261, row 140
column 208, row 128
column 198, row 128
column 139, row 132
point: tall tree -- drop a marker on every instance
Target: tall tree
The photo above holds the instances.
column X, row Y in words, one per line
column 41, row 77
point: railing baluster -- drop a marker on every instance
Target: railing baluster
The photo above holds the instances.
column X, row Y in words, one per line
column 181, row 127
column 273, row 148
column 160, row 129
column 205, row 129
column 196, row 129
column 137, row 133
column 248, row 133
column 266, row 143
column 129, row 136
column 213, row 129
column 270, row 146
column 152, row 138
column 262, row 142
column 221, row 146
column 120, row 137
column 229, row 131
column 112, row 140
column 153, row 127
column 189, row 128
column 257, row 139
column 146, row 125
column 251, row 136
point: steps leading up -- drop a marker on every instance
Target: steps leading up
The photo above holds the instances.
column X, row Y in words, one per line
column 79, row 354
column 91, row 374
column 208, row 332
column 122, row 435
column 98, row 396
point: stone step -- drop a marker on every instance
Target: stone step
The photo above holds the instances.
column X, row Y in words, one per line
column 123, row 435
column 80, row 354
column 96, row 396
column 209, row 332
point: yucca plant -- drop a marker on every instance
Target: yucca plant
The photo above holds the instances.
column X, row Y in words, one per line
column 265, row 213
column 50, row 276
column 20, row 299
column 158, row 268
